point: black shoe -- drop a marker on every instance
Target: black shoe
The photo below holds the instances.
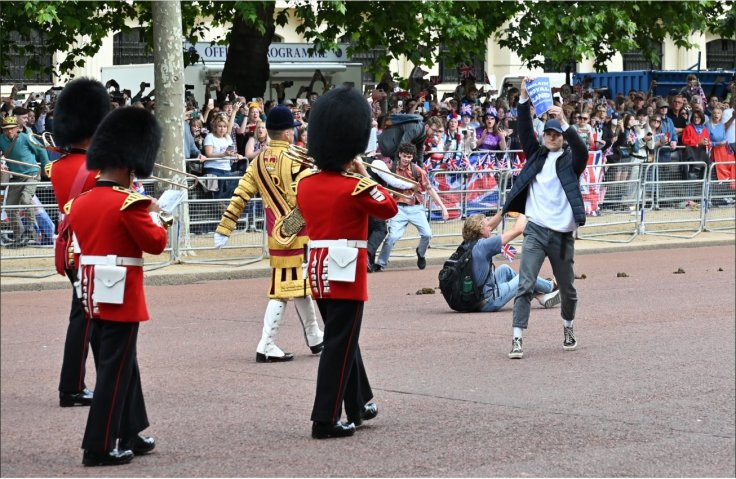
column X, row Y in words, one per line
column 262, row 358
column 115, row 457
column 324, row 430
column 317, row 349
column 140, row 445
column 371, row 267
column 369, row 412
column 377, row 268
column 421, row 260
column 83, row 398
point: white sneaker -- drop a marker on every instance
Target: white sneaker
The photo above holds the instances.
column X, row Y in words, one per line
column 550, row 299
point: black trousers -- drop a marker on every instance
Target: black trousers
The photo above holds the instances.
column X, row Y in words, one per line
column 118, row 409
column 79, row 337
column 341, row 377
column 377, row 231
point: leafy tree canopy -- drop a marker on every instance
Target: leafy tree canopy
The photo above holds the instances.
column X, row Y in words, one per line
column 558, row 31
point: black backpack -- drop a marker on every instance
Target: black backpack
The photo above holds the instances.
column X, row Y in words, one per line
column 457, row 283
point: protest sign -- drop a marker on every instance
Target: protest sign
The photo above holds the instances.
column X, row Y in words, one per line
column 540, row 94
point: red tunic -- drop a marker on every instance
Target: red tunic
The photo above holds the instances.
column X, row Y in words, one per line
column 110, row 220
column 63, row 174
column 337, row 206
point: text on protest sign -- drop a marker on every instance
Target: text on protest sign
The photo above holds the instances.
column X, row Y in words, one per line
column 540, row 94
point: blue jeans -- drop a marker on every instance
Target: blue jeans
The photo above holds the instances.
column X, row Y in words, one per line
column 507, row 282
column 44, row 227
column 540, row 243
column 225, row 188
column 416, row 215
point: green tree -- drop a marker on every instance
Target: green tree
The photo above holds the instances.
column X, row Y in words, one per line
column 559, row 31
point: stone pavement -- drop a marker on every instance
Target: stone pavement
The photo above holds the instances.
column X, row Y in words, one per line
column 188, row 273
column 648, row 393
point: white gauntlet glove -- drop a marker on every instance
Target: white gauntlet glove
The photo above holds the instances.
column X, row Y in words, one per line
column 221, row 240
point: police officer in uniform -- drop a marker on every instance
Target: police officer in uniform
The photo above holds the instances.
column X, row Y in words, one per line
column 336, row 204
column 114, row 226
column 80, row 108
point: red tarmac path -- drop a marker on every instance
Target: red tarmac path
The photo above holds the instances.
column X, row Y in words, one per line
column 649, row 392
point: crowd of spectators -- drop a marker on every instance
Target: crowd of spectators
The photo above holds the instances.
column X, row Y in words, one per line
column 468, row 129
column 685, row 125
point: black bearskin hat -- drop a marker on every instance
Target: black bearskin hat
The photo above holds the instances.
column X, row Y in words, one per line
column 80, row 108
column 339, row 128
column 129, row 137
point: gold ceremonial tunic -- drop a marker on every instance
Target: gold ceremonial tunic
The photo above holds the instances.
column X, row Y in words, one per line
column 287, row 280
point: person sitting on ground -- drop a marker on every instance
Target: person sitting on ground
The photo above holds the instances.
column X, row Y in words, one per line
column 500, row 284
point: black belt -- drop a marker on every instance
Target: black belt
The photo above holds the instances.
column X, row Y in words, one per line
column 405, row 204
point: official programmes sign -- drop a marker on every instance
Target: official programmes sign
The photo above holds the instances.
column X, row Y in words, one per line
column 277, row 52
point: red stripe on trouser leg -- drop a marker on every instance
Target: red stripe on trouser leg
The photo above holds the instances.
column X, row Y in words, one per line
column 83, row 354
column 346, row 358
column 115, row 390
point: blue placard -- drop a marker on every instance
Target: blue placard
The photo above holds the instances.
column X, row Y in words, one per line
column 540, row 94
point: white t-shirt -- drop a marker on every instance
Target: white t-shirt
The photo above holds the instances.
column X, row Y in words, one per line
column 219, row 145
column 546, row 203
column 730, row 131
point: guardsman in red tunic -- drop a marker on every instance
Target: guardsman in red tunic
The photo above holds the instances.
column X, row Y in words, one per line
column 80, row 108
column 114, row 226
column 336, row 205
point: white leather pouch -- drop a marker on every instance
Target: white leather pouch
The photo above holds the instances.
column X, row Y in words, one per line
column 109, row 284
column 343, row 261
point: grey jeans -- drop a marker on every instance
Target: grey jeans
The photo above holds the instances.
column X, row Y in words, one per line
column 20, row 193
column 540, row 243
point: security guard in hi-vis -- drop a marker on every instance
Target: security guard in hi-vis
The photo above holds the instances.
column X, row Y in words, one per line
column 80, row 108
column 114, row 226
column 273, row 174
column 336, row 203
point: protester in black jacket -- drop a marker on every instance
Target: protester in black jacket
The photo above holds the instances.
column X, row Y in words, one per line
column 547, row 191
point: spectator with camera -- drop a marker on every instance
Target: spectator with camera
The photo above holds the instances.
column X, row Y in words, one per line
column 696, row 139
column 693, row 89
column 17, row 146
column 219, row 151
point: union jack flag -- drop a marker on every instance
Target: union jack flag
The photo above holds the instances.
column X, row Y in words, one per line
column 465, row 71
column 428, row 166
column 485, row 162
column 466, row 164
column 502, row 162
column 517, row 165
column 509, row 252
column 452, row 165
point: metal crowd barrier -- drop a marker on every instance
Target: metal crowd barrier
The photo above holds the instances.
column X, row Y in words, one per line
column 35, row 259
column 632, row 198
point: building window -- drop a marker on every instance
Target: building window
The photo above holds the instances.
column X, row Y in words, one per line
column 553, row 67
column 450, row 72
column 16, row 62
column 130, row 48
column 367, row 59
column 721, row 54
column 634, row 60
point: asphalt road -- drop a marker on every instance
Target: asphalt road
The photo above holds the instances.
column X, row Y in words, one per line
column 650, row 391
